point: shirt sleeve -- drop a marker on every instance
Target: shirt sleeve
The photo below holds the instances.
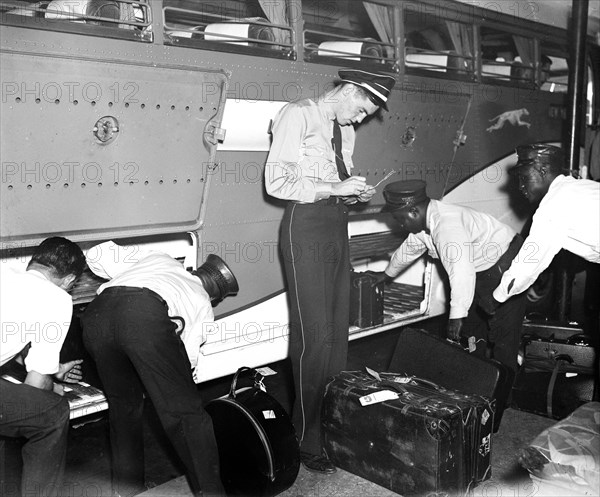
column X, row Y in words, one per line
column 48, row 337
column 287, row 174
column 545, row 240
column 411, row 249
column 194, row 337
column 452, row 243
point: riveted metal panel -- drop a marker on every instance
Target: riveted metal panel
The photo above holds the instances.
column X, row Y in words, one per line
column 100, row 149
column 416, row 139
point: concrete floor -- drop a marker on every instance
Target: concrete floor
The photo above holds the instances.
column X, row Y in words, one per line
column 508, row 477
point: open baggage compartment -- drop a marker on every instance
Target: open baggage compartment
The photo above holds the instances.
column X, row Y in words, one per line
column 407, row 299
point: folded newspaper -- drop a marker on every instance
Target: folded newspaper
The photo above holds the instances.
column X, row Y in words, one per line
column 84, row 399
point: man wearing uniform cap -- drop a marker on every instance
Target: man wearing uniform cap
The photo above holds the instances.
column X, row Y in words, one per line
column 310, row 165
column 568, row 217
column 144, row 331
column 474, row 248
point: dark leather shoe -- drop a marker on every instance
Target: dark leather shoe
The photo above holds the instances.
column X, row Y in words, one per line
column 317, row 464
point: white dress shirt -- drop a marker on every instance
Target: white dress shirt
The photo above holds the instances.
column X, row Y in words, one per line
column 33, row 310
column 183, row 292
column 568, row 217
column 464, row 240
column 301, row 163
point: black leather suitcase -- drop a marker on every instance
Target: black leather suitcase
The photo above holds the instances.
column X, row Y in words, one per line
column 427, row 441
column 548, row 340
column 554, row 394
column 258, row 449
column 366, row 300
column 559, row 369
column 447, row 364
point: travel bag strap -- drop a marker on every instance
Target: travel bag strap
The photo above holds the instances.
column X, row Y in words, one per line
column 258, row 383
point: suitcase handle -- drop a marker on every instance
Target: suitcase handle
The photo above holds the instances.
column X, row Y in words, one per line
column 257, row 380
column 415, row 379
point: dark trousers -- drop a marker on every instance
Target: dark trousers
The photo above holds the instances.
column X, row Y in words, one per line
column 42, row 418
column 314, row 245
column 500, row 333
column 130, row 336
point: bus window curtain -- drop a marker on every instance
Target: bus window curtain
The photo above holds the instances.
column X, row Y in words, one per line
column 276, row 12
column 525, row 49
column 462, row 41
column 382, row 23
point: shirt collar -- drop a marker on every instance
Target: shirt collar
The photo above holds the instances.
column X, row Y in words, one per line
column 325, row 109
column 37, row 273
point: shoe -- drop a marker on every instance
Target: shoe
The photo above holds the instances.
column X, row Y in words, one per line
column 317, row 464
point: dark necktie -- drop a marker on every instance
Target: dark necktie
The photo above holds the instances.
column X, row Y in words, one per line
column 336, row 142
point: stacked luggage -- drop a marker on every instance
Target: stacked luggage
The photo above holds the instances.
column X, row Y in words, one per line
column 425, row 428
column 451, row 366
column 422, row 439
column 559, row 369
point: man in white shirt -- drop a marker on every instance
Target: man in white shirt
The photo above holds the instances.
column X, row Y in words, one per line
column 568, row 217
column 36, row 311
column 474, row 248
column 144, row 330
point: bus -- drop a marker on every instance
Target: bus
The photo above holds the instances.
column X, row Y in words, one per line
column 147, row 122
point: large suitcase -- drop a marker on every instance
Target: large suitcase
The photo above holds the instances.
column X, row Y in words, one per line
column 423, row 440
column 554, row 394
column 548, row 340
column 259, row 453
column 559, row 369
column 447, row 364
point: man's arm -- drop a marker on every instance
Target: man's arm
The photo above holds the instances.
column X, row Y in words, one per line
column 453, row 245
column 411, row 249
column 69, row 372
column 285, row 175
column 38, row 380
column 544, row 241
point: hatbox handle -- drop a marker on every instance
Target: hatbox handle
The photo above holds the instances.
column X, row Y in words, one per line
column 235, row 379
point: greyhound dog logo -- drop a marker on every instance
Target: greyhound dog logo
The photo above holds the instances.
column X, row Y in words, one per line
column 511, row 116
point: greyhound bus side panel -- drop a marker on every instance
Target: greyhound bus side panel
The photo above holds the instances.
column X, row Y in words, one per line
column 100, row 149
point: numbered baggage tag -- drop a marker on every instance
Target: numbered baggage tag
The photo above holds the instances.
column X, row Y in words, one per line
column 375, row 398
column 266, row 371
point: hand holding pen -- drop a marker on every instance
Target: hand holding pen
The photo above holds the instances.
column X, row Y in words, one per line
column 369, row 190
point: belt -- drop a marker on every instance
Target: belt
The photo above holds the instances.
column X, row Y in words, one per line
column 325, row 201
column 134, row 290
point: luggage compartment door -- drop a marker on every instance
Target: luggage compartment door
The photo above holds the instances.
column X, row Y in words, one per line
column 102, row 149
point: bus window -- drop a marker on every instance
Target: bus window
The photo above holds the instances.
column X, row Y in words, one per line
column 554, row 70
column 241, row 26
column 436, row 45
column 110, row 18
column 352, row 33
column 507, row 57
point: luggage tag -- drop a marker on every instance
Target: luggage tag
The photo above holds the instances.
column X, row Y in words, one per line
column 377, row 397
column 373, row 373
column 266, row 371
column 258, row 383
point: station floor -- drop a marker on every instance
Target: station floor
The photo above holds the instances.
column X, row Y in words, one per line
column 88, row 462
column 508, row 478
